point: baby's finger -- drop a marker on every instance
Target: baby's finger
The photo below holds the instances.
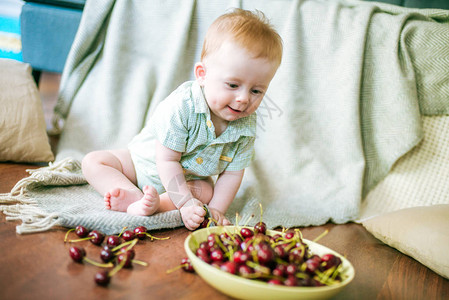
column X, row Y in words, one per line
column 197, row 219
column 191, row 225
column 199, row 211
column 226, row 222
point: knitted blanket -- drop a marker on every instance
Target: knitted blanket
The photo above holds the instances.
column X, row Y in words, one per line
column 345, row 105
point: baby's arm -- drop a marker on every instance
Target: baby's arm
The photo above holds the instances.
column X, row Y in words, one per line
column 225, row 189
column 172, row 177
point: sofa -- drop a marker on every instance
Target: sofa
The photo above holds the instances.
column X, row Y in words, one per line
column 48, row 28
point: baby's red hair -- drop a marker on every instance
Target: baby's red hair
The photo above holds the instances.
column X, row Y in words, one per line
column 250, row 30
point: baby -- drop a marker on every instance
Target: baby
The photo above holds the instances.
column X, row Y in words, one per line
column 204, row 128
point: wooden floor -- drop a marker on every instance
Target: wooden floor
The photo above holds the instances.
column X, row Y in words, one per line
column 37, row 266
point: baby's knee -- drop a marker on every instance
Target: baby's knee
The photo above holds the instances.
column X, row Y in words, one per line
column 92, row 159
column 201, row 190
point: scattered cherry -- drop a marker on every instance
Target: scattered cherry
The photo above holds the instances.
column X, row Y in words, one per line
column 140, row 232
column 77, row 253
column 128, row 235
column 125, row 259
column 96, row 237
column 81, row 231
column 187, row 265
column 113, row 241
column 102, row 278
column 106, row 255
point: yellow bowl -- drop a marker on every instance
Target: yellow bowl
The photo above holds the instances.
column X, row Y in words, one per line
column 242, row 288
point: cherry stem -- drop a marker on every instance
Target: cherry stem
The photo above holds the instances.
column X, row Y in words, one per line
column 261, row 212
column 258, row 267
column 156, row 238
column 97, row 264
column 67, row 234
column 131, row 244
column 176, row 268
column 139, row 262
column 321, row 235
column 80, row 240
column 117, row 268
column 123, row 230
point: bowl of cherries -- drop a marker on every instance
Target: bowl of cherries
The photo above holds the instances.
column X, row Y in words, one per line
column 255, row 263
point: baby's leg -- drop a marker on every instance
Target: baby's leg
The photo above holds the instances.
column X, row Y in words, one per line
column 112, row 174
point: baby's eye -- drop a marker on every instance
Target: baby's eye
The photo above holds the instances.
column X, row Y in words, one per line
column 257, row 92
column 232, row 85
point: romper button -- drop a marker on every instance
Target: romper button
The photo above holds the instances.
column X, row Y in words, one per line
column 199, row 160
column 208, row 123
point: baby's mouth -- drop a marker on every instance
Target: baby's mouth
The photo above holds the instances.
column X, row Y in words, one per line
column 235, row 110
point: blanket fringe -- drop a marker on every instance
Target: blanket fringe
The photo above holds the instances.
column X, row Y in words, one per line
column 32, row 217
column 17, row 205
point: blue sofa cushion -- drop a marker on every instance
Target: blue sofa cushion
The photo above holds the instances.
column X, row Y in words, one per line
column 63, row 3
column 47, row 35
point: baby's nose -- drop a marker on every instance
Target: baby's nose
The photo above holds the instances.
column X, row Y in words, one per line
column 242, row 97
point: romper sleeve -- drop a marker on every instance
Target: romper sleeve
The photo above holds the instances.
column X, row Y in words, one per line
column 243, row 155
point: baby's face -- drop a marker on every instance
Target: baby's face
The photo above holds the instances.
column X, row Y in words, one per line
column 234, row 82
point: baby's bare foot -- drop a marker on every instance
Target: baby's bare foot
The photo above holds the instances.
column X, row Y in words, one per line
column 119, row 199
column 147, row 205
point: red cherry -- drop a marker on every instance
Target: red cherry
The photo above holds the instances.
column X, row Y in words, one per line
column 289, row 235
column 312, row 265
column 81, row 231
column 274, row 282
column 128, row 235
column 291, row 269
column 113, row 241
column 187, row 265
column 77, row 253
column 140, row 232
column 102, row 278
column 96, row 237
column 240, row 257
column 126, row 259
column 265, row 256
column 279, row 270
column 244, row 270
column 329, row 261
column 260, row 227
column 291, row 281
column 217, row 255
column 212, row 237
column 106, row 255
column 246, row 232
column 229, row 267
column 130, row 252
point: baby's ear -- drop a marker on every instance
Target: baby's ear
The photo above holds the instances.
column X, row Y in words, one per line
column 200, row 72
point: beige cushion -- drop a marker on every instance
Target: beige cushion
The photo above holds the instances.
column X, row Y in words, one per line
column 23, row 136
column 420, row 232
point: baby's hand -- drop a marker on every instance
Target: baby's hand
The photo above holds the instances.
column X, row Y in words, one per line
column 192, row 213
column 219, row 217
